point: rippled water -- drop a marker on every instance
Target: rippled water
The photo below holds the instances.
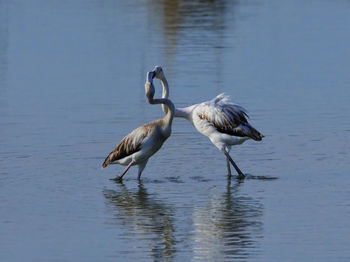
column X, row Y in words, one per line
column 71, row 86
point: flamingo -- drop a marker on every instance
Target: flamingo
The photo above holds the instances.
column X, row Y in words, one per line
column 222, row 121
column 139, row 145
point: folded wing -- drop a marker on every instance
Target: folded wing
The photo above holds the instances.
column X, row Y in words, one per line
column 227, row 117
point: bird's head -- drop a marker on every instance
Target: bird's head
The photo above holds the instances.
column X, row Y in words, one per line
column 158, row 72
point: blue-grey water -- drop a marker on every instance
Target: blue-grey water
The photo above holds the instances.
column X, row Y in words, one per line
column 72, row 85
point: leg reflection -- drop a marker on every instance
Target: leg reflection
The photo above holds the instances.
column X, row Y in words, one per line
column 146, row 217
column 228, row 227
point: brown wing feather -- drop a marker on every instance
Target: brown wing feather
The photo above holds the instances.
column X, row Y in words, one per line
column 226, row 125
column 233, row 126
column 228, row 117
column 129, row 144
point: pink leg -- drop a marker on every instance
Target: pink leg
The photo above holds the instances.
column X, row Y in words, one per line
column 240, row 173
column 120, row 177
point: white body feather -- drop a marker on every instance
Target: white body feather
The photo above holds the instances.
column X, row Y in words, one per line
column 215, row 109
column 222, row 121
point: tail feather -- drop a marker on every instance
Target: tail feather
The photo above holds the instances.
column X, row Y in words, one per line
column 255, row 134
column 107, row 160
column 249, row 131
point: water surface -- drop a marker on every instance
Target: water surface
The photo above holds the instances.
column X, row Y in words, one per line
column 71, row 86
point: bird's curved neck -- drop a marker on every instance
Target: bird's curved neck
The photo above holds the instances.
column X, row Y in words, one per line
column 170, row 110
column 179, row 112
column 165, row 93
column 184, row 112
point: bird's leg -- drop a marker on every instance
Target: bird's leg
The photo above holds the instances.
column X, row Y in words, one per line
column 229, row 174
column 120, row 177
column 228, row 168
column 240, row 174
column 141, row 168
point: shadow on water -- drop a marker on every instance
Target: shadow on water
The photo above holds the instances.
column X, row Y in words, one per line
column 263, row 178
column 228, row 227
column 149, row 218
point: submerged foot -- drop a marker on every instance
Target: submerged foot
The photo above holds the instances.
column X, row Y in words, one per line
column 117, row 179
column 241, row 176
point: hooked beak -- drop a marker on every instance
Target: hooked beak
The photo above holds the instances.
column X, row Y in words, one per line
column 150, row 76
column 149, row 90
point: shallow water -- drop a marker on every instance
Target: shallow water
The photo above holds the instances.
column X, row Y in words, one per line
column 71, row 86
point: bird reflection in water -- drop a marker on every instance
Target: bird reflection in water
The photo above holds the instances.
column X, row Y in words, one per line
column 148, row 219
column 228, row 226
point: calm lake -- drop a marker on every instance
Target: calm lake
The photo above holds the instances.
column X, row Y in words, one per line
column 72, row 79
